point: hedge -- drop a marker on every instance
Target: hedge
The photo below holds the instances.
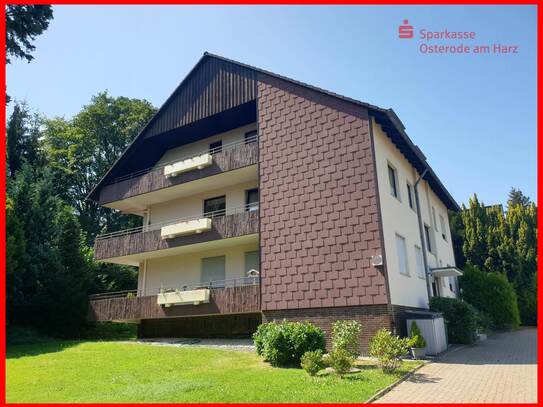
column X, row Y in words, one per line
column 491, row 294
column 461, row 319
column 284, row 343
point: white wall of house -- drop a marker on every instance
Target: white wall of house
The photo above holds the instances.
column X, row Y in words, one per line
column 407, row 284
column 186, row 269
column 194, row 205
column 202, row 146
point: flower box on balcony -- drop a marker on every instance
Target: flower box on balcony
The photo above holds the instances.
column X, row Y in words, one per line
column 186, row 228
column 189, row 164
column 193, row 297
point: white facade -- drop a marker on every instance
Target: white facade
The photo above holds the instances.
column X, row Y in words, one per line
column 182, row 266
column 200, row 146
column 186, row 269
column 400, row 223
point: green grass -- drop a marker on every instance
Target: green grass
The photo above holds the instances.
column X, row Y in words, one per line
column 128, row 372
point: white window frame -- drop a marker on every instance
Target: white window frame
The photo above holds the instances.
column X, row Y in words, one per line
column 430, row 242
column 443, row 227
column 396, row 181
column 411, row 196
column 406, row 258
column 421, row 273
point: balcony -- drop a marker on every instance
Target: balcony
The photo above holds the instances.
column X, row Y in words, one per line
column 224, row 297
column 127, row 246
column 229, row 157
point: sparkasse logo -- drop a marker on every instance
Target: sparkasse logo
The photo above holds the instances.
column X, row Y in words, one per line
column 405, row 30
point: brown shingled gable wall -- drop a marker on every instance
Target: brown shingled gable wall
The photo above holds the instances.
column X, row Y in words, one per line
column 318, row 201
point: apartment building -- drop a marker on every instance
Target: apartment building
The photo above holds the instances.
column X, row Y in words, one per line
column 265, row 198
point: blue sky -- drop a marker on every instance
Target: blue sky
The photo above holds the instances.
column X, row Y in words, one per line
column 473, row 116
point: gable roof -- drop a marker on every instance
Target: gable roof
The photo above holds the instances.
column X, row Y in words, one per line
column 387, row 118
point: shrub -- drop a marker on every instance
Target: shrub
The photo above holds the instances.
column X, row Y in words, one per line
column 345, row 337
column 417, row 340
column 484, row 322
column 284, row 343
column 388, row 349
column 460, row 317
column 312, row 362
column 340, row 360
column 492, row 294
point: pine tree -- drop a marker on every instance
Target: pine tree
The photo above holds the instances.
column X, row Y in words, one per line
column 504, row 243
column 516, row 197
column 64, row 297
column 23, row 24
column 15, row 251
column 475, row 226
column 22, row 139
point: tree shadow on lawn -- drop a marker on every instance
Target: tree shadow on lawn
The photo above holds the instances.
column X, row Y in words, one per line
column 36, row 349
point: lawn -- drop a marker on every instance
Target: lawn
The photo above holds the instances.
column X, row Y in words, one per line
column 129, row 372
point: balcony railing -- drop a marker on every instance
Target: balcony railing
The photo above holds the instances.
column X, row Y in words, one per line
column 232, row 222
column 236, row 282
column 159, row 225
column 228, row 157
column 226, row 297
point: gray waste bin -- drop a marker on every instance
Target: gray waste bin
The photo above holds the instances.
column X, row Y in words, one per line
column 432, row 327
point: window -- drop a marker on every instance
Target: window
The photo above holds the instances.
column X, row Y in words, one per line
column 420, row 262
column 443, row 228
column 427, row 235
column 215, row 147
column 402, row 255
column 435, row 287
column 393, row 181
column 434, row 221
column 250, row 137
column 411, row 196
column 251, row 200
column 213, row 271
column 215, row 206
column 252, row 261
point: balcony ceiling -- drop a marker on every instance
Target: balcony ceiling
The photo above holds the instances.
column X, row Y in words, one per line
column 136, row 204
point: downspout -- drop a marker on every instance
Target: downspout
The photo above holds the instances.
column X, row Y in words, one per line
column 422, row 238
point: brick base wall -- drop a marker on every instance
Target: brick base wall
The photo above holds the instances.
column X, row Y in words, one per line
column 371, row 317
column 214, row 326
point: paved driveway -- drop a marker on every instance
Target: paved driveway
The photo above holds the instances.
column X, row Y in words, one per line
column 502, row 369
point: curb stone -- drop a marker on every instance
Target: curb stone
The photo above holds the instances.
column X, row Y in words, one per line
column 406, row 376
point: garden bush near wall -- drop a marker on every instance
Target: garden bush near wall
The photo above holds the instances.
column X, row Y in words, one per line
column 284, row 343
column 388, row 349
column 461, row 319
column 491, row 294
column 345, row 336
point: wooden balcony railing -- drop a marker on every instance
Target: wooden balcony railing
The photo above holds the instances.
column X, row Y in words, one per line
column 243, row 297
column 230, row 223
column 229, row 157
